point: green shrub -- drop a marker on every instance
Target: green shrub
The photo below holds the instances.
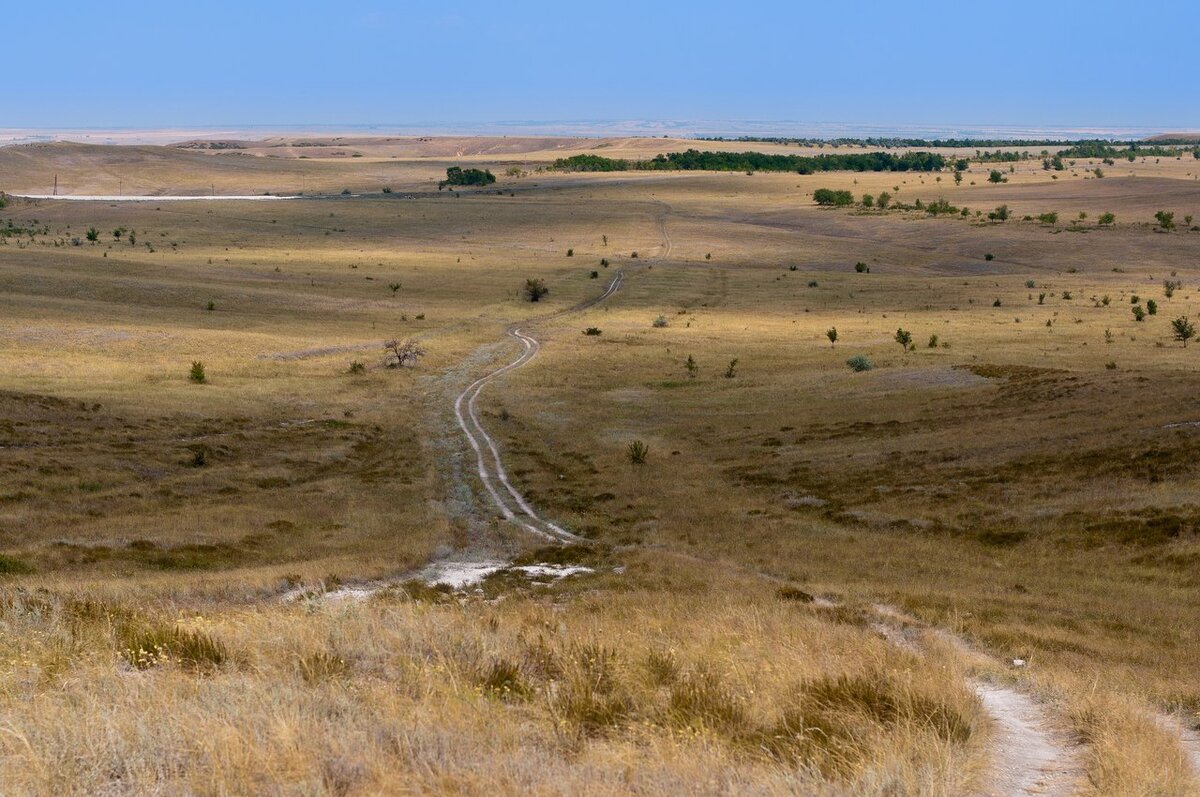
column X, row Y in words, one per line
column 638, row 451
column 830, row 197
column 659, row 322
column 197, row 373
column 859, row 362
column 592, row 331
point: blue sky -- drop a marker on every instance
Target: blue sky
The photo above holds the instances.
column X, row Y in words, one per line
column 344, row 62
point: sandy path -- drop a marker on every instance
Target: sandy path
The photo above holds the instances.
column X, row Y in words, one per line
column 1028, row 756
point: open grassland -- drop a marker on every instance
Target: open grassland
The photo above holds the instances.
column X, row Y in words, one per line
column 1026, row 483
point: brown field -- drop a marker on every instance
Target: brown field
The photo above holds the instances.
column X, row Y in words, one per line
column 1024, row 487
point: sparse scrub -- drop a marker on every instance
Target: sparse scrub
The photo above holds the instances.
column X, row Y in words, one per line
column 637, row 452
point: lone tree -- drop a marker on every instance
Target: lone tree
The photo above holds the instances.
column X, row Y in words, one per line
column 535, row 289
column 402, row 353
column 93, row 234
column 1183, row 330
column 831, row 333
column 1166, row 219
column 904, row 338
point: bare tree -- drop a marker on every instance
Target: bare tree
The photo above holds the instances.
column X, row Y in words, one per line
column 403, row 353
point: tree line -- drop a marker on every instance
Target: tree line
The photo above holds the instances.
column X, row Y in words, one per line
column 695, row 160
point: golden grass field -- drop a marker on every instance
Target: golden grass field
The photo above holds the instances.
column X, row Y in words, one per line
column 1026, row 488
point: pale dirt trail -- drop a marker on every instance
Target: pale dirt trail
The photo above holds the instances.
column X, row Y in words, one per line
column 1029, row 757
column 1029, row 754
column 504, row 496
column 491, row 469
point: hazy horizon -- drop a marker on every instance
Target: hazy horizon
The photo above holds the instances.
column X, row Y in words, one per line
column 150, row 134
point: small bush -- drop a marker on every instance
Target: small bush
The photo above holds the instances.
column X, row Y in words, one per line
column 535, row 289
column 594, row 275
column 859, row 363
column 196, row 374
column 659, row 322
column 862, row 268
column 731, row 369
column 570, row 253
column 357, row 367
column 592, row 331
column 638, row 451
